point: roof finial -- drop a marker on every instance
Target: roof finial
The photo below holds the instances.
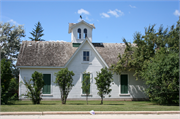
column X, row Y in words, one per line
column 80, row 16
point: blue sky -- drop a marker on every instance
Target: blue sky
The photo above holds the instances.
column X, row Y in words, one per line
column 113, row 20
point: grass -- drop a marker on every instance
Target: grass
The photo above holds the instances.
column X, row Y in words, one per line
column 23, row 106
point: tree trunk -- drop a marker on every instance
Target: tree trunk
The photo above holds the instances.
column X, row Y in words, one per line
column 87, row 99
column 101, row 100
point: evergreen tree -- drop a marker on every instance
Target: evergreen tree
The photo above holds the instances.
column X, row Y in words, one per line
column 37, row 33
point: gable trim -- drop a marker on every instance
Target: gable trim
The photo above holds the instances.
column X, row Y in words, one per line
column 82, row 22
column 91, row 47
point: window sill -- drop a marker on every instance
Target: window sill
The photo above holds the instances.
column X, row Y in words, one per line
column 85, row 95
column 124, row 94
column 86, row 62
column 47, row 94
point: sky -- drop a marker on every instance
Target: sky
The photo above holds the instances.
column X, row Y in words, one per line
column 114, row 20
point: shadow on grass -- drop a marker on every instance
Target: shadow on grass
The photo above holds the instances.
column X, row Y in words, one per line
column 90, row 104
column 33, row 104
column 164, row 104
column 113, row 104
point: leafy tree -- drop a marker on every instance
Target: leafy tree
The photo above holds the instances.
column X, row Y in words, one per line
column 86, row 85
column 6, row 76
column 10, row 39
column 34, row 87
column 162, row 77
column 103, row 82
column 64, row 80
column 143, row 54
column 37, row 33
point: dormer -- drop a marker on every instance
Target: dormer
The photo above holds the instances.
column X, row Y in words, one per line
column 79, row 31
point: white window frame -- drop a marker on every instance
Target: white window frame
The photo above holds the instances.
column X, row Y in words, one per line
column 91, row 82
column 90, row 56
column 128, row 94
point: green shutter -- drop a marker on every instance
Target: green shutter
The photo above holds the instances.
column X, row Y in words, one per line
column 88, row 81
column 124, row 84
column 47, row 85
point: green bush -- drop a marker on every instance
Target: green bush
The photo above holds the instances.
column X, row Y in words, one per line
column 34, row 87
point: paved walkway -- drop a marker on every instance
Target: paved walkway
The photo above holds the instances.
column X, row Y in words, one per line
column 88, row 112
column 114, row 116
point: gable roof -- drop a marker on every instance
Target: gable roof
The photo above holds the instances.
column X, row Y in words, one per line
column 57, row 54
column 72, row 25
column 87, row 40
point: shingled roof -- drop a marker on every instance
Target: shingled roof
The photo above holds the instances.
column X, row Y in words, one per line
column 57, row 54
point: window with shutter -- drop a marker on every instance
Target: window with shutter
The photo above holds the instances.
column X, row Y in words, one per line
column 47, row 85
column 124, row 84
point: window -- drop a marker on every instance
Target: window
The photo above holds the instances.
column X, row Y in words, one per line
column 87, row 82
column 85, row 55
column 79, row 33
column 124, row 84
column 47, row 84
column 85, row 33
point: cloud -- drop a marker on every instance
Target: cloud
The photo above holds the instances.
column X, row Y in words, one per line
column 132, row 6
column 82, row 11
column 177, row 13
column 14, row 22
column 104, row 15
column 116, row 12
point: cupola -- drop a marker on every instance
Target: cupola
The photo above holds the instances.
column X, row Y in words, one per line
column 79, row 31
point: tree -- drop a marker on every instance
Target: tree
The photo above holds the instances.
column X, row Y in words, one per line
column 10, row 42
column 144, row 54
column 86, row 85
column 10, row 39
column 162, row 77
column 37, row 33
column 34, row 87
column 6, row 76
column 64, row 80
column 103, row 82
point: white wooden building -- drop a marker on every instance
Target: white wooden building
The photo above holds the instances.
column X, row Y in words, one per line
column 79, row 55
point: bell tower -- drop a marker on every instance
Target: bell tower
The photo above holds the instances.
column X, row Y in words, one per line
column 79, row 31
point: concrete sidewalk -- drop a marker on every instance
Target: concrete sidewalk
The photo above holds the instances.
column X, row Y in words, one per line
column 88, row 112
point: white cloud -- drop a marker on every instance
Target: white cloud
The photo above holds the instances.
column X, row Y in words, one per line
column 82, row 11
column 12, row 21
column 116, row 13
column 104, row 15
column 177, row 13
column 132, row 6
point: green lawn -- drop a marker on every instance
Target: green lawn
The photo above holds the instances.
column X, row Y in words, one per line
column 93, row 105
